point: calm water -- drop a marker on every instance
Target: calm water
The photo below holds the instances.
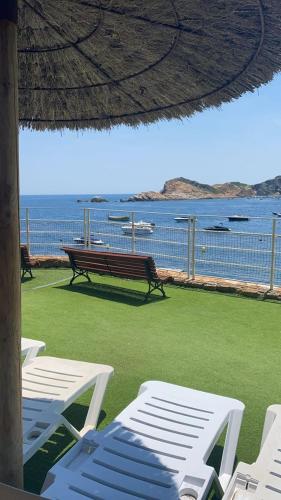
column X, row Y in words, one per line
column 243, row 253
column 66, row 206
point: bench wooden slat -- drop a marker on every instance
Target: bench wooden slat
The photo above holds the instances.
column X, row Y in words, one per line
column 112, row 269
column 131, row 266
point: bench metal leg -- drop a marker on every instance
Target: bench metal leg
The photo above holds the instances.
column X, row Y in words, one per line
column 25, row 271
column 155, row 285
column 79, row 273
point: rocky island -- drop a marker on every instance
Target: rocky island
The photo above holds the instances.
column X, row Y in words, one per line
column 185, row 189
column 95, row 199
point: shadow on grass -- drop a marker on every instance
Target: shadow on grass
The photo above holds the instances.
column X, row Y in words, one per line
column 35, row 470
column 113, row 293
column 214, row 460
column 27, row 279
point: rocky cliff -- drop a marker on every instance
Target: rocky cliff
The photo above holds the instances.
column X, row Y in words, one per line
column 184, row 189
column 272, row 187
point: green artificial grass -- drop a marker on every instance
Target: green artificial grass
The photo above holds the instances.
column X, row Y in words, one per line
column 204, row 340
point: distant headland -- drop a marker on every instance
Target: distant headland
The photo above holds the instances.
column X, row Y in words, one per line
column 95, row 199
column 185, row 189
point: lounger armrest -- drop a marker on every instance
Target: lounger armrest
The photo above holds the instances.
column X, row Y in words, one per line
column 199, row 481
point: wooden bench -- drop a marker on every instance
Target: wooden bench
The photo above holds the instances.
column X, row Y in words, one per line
column 120, row 265
column 26, row 262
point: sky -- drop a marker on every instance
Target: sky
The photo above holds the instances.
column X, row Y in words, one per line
column 240, row 141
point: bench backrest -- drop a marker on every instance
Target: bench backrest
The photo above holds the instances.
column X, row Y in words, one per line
column 25, row 257
column 116, row 264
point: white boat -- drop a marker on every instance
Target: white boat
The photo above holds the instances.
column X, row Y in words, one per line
column 94, row 241
column 139, row 229
column 182, row 219
column 141, row 223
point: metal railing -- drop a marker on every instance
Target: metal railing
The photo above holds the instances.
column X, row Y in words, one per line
column 250, row 255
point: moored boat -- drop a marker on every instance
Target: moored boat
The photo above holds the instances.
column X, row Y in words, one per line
column 278, row 214
column 93, row 241
column 183, row 218
column 238, row 218
column 221, row 227
column 137, row 229
column 141, row 223
column 118, row 218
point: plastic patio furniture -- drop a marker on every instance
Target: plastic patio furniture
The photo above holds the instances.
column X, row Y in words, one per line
column 30, row 348
column 262, row 479
column 49, row 387
column 156, row 448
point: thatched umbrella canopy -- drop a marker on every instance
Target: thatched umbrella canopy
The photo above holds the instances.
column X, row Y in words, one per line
column 97, row 64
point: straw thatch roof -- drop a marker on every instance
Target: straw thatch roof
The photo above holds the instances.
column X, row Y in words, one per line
column 98, row 63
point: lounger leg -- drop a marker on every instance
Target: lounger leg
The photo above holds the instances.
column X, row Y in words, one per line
column 96, row 403
column 268, row 421
column 230, row 446
column 71, row 429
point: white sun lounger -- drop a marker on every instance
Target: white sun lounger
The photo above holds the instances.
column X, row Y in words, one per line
column 156, row 448
column 50, row 386
column 30, row 348
column 262, row 479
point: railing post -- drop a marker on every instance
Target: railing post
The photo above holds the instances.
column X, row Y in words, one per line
column 193, row 231
column 89, row 229
column 27, row 228
column 188, row 246
column 133, row 233
column 85, row 227
column 273, row 252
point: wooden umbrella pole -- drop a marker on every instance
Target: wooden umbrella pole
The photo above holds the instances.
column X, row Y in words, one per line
column 10, row 369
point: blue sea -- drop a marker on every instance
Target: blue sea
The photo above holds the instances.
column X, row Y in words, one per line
column 243, row 253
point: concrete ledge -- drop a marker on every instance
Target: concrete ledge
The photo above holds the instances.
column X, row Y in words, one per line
column 50, row 261
column 246, row 289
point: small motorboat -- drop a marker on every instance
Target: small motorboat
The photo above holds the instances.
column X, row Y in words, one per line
column 183, row 218
column 94, row 241
column 141, row 223
column 137, row 229
column 278, row 214
column 118, row 218
column 221, row 227
column 237, row 218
